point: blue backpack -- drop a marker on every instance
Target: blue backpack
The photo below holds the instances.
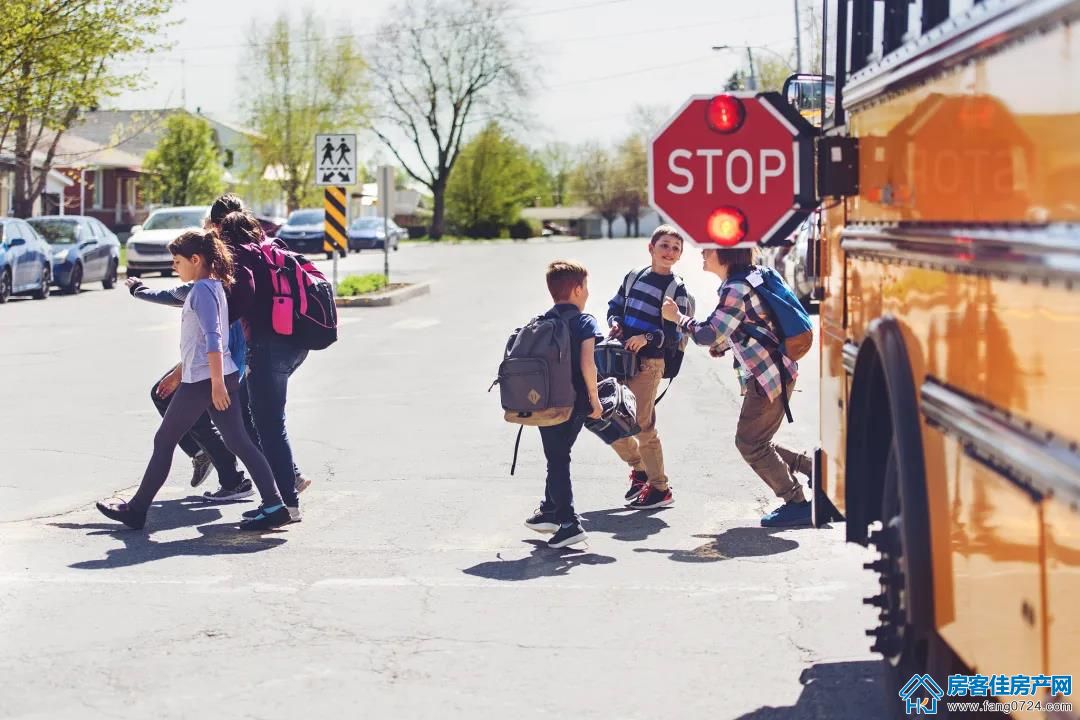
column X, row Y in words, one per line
column 788, row 315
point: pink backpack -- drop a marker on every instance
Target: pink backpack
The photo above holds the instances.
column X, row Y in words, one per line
column 303, row 299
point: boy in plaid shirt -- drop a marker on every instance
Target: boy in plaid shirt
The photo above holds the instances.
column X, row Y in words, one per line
column 757, row 354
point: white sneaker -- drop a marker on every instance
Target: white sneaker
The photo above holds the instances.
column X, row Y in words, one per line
column 302, row 483
column 294, row 514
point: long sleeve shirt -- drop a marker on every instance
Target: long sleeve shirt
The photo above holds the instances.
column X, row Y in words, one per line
column 741, row 319
column 204, row 324
column 175, row 297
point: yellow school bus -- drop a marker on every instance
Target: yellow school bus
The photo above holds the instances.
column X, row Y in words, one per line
column 949, row 280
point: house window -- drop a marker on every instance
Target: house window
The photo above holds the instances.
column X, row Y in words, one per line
column 99, row 189
column 129, row 194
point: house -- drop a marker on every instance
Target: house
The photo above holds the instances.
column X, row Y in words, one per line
column 580, row 220
column 408, row 205
column 137, row 132
column 104, row 182
column 48, row 203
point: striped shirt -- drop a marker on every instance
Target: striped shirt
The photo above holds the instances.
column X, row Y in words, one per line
column 640, row 314
column 757, row 350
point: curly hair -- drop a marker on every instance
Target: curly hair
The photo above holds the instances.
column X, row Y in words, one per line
column 207, row 245
column 241, row 228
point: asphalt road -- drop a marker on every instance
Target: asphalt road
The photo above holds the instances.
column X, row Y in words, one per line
column 411, row 589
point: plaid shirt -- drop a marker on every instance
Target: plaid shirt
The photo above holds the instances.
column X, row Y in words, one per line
column 756, row 351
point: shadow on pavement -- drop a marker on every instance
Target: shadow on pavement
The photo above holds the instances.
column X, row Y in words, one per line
column 835, row 691
column 733, row 543
column 139, row 546
column 624, row 524
column 541, row 562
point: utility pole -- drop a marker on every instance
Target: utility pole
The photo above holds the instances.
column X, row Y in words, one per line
column 798, row 40
column 753, row 75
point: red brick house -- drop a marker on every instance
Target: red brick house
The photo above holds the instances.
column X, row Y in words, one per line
column 106, row 182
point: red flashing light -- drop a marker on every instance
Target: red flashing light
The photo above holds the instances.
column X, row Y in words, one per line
column 725, row 114
column 727, row 226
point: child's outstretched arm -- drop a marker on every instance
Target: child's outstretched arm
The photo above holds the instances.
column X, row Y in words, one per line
column 173, row 297
column 588, row 371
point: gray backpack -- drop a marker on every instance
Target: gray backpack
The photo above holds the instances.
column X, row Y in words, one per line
column 535, row 379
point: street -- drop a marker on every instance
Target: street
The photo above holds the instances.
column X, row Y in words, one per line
column 411, row 589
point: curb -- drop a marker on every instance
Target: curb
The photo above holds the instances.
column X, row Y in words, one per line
column 383, row 299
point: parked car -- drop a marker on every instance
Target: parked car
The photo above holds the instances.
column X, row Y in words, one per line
column 792, row 259
column 83, row 250
column 25, row 261
column 270, row 225
column 369, row 233
column 304, row 232
column 147, row 248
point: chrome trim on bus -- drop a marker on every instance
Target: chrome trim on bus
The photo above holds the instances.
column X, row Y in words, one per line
column 1049, row 252
column 1025, row 454
column 985, row 27
column 849, row 355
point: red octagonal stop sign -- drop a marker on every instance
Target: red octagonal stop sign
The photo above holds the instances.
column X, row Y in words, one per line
column 733, row 170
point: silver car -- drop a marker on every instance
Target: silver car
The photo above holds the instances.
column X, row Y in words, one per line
column 793, row 259
column 148, row 246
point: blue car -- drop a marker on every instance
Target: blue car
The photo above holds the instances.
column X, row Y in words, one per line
column 83, row 250
column 25, row 261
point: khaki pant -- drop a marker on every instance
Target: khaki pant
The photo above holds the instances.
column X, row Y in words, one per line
column 759, row 420
column 642, row 452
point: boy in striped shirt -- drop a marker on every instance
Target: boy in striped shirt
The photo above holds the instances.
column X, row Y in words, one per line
column 636, row 319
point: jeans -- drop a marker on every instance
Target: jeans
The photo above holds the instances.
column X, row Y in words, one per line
column 759, row 420
column 203, row 436
column 558, row 492
column 189, row 402
column 271, row 361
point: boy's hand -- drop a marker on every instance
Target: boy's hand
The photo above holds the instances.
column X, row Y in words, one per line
column 636, row 343
column 220, row 395
column 670, row 310
column 597, row 408
column 616, row 330
column 132, row 284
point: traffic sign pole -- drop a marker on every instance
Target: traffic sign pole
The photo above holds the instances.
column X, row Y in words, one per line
column 385, row 177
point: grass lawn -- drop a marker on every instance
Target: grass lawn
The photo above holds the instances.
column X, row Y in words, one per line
column 361, row 284
column 123, row 256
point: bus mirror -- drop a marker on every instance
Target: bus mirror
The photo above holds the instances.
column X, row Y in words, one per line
column 791, row 90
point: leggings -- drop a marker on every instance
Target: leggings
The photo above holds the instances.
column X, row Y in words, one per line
column 189, row 402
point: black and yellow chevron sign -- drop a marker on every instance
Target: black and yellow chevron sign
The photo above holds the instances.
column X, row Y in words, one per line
column 334, row 202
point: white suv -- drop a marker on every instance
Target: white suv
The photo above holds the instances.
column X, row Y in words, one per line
column 147, row 248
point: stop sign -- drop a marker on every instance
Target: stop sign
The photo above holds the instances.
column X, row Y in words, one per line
column 734, row 169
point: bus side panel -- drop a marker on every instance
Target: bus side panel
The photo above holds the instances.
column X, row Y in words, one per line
column 835, row 383
column 1062, row 532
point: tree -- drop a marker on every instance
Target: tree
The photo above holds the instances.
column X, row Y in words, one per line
column 771, row 72
column 632, row 179
column 557, row 160
column 305, row 81
column 494, row 178
column 736, row 81
column 56, row 62
column 437, row 64
column 596, row 182
column 184, row 169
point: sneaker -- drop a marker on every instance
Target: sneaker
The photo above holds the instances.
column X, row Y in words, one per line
column 570, row 535
column 200, row 469
column 542, row 522
column 638, row 480
column 294, row 514
column 302, row 483
column 267, row 519
column 120, row 512
column 239, row 492
column 650, row 498
column 795, row 514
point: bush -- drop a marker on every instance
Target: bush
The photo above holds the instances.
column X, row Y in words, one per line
column 361, row 284
column 484, row 229
column 416, row 231
column 522, row 229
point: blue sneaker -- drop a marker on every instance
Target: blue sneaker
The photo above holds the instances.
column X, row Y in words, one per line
column 794, row 514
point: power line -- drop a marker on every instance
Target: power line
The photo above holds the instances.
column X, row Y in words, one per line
column 628, row 73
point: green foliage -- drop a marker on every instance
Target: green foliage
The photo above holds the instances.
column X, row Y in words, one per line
column 522, row 229
column 307, row 80
column 557, row 162
column 184, row 169
column 596, row 182
column 57, row 60
column 494, row 178
column 772, row 72
column 361, row 284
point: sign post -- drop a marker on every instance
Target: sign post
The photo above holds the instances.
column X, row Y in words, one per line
column 734, row 169
column 335, row 169
column 386, row 176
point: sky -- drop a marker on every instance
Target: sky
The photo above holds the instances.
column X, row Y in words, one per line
column 594, row 59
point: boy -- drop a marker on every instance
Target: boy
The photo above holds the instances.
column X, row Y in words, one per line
column 760, row 362
column 569, row 287
column 635, row 317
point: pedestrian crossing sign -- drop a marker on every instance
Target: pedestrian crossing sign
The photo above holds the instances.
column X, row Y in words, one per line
column 335, row 160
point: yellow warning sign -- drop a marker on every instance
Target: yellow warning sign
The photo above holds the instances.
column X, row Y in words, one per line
column 336, row 220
